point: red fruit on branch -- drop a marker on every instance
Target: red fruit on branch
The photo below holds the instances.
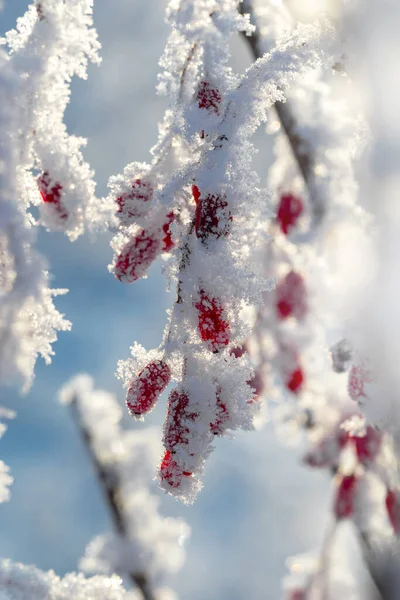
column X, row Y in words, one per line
column 179, row 415
column 208, row 97
column 295, row 381
column 221, row 419
column 51, row 195
column 297, row 594
column 345, row 497
column 136, row 256
column 367, row 445
column 237, row 351
column 291, row 297
column 257, row 383
column 168, row 244
column 144, row 391
column 213, row 327
column 171, row 472
column 213, row 217
column 196, row 193
column 289, row 210
column 393, row 509
column 130, row 204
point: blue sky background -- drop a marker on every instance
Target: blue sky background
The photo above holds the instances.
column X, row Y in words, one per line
column 258, row 505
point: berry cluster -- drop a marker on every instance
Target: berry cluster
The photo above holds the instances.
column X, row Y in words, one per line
column 142, row 249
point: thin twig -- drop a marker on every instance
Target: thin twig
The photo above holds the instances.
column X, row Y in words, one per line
column 301, row 148
column 110, row 486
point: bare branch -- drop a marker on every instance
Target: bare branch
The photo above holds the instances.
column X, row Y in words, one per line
column 109, row 484
column 301, row 148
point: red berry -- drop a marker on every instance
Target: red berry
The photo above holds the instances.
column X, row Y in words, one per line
column 345, row 497
column 393, row 509
column 51, row 195
column 359, row 375
column 212, row 325
column 368, row 445
column 146, row 388
column 196, row 193
column 289, row 210
column 168, row 244
column 208, row 97
column 212, row 217
column 136, row 256
column 297, row 594
column 291, row 297
column 222, row 417
column 238, row 351
column 179, row 415
column 171, row 472
column 295, row 381
column 130, row 204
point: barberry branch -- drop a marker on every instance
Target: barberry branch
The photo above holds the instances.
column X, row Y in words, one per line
column 301, row 148
column 109, row 483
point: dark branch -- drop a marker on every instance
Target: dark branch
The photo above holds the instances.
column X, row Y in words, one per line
column 108, row 480
column 302, row 150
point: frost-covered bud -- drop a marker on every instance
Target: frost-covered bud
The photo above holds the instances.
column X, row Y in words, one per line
column 341, row 354
column 133, row 203
column 368, row 445
column 393, row 509
column 179, row 414
column 291, row 297
column 212, row 217
column 219, row 425
column 208, row 97
column 345, row 497
column 144, row 391
column 289, row 210
column 170, row 472
column 167, row 241
column 213, row 326
column 51, row 194
column 359, row 375
column 137, row 255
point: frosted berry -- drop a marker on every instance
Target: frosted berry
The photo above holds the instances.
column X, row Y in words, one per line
column 345, row 497
column 221, row 418
column 146, row 388
column 179, row 415
column 393, row 509
column 359, row 375
column 136, row 256
column 212, row 325
column 51, row 195
column 167, row 242
column 131, row 204
column 291, row 297
column 295, row 381
column 326, row 452
column 237, row 351
column 289, row 210
column 171, row 472
column 196, row 193
column 208, row 97
column 213, row 217
column 368, row 445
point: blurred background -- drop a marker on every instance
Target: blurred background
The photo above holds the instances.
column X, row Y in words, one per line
column 258, row 505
